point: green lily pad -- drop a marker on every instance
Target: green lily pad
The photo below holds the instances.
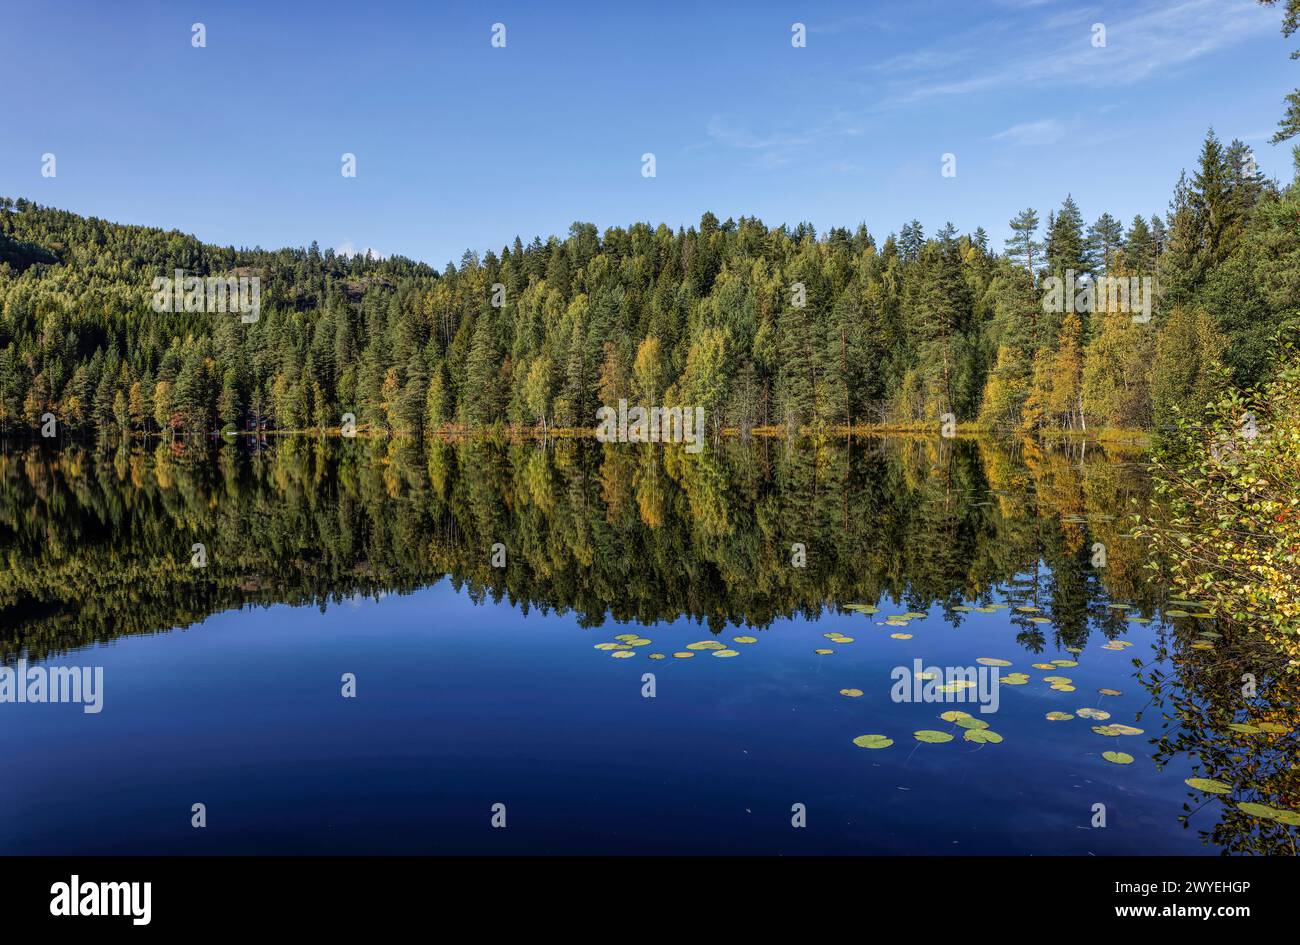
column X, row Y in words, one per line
column 971, row 722
column 873, row 741
column 931, row 737
column 745, row 640
column 952, row 715
column 1059, row 716
column 992, row 661
column 724, row 654
column 851, row 693
column 982, row 736
column 1117, row 757
column 1269, row 813
column 1209, row 785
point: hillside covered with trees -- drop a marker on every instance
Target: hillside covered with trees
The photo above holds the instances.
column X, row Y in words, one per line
column 896, row 331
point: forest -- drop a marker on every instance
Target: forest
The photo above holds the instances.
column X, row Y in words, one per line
column 763, row 327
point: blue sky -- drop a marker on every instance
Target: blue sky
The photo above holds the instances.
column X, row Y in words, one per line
column 462, row 145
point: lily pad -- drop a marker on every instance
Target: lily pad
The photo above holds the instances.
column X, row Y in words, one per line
column 982, row 736
column 1270, row 813
column 745, row 639
column 972, row 722
column 901, row 636
column 851, row 693
column 1117, row 757
column 1110, row 692
column 873, row 741
column 706, row 645
column 658, row 656
column 992, row 661
column 683, row 655
column 823, row 652
column 1209, row 785
column 952, row 715
column 622, row 654
column 930, row 736
column 1059, row 716
column 726, row 653
column 1099, row 714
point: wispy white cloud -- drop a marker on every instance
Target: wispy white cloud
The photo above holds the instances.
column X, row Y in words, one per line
column 774, row 149
column 1033, row 133
column 1159, row 36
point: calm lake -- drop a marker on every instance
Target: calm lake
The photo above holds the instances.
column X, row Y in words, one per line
column 383, row 641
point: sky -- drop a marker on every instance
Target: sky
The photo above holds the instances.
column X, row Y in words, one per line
column 463, row 145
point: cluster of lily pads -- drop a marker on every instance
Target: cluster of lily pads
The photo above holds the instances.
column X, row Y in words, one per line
column 1214, row 786
column 977, row 731
column 899, row 621
column 624, row 646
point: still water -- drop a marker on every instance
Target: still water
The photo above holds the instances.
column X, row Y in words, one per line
column 328, row 565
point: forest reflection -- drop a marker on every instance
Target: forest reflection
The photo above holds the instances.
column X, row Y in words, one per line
column 99, row 543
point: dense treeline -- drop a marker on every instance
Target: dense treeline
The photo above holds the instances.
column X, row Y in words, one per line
column 760, row 326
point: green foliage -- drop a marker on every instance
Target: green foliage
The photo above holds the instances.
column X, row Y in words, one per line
column 1230, row 515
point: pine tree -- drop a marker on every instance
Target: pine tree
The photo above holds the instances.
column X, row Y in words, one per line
column 1022, row 248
